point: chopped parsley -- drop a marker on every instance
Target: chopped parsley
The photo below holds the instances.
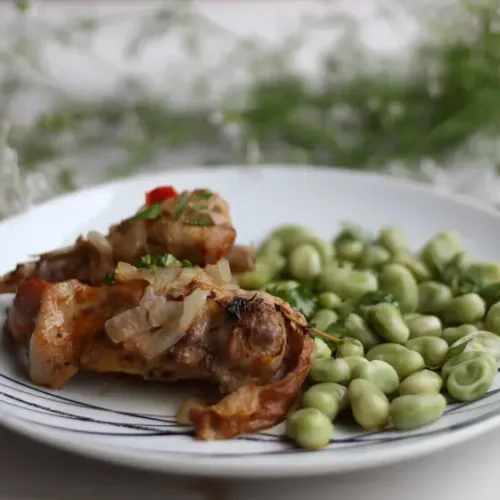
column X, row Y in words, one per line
column 199, row 207
column 183, row 200
column 301, row 298
column 490, row 294
column 200, row 221
column 152, row 212
column 154, row 262
column 109, row 279
column 204, row 194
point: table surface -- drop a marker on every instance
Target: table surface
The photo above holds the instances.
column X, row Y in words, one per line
column 32, row 471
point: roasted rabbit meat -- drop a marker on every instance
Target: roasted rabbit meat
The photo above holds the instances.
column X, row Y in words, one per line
column 171, row 324
column 192, row 225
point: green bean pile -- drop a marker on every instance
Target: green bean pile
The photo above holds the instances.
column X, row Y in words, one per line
column 398, row 328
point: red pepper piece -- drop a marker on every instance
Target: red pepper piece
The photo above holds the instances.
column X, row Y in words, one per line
column 160, row 194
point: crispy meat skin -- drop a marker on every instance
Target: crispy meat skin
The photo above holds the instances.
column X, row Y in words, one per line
column 257, row 357
column 171, row 232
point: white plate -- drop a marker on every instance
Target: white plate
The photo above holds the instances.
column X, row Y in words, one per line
column 132, row 422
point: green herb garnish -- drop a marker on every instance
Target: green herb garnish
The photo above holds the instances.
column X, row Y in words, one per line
column 471, row 281
column 109, row 279
column 152, row 212
column 183, row 199
column 199, row 207
column 490, row 294
column 154, row 262
column 200, row 221
column 204, row 195
column 301, row 298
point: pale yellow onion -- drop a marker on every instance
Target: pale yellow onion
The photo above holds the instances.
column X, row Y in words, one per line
column 100, row 242
column 160, row 311
column 125, row 272
column 127, row 324
column 220, row 272
column 153, row 344
column 193, row 304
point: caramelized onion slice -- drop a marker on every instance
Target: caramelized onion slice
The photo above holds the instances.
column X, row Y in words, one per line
column 193, row 304
column 220, row 272
column 127, row 324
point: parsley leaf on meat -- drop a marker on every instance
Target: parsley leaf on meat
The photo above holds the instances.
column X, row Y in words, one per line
column 301, row 298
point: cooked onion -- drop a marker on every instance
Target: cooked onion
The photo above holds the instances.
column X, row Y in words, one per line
column 100, row 242
column 127, row 324
column 160, row 311
column 125, row 272
column 151, row 345
column 220, row 272
column 193, row 304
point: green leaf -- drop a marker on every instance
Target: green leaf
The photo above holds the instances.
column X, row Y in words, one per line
column 338, row 329
column 152, row 212
column 490, row 294
column 376, row 297
column 200, row 221
column 456, row 350
column 300, row 298
column 109, row 279
column 472, row 280
column 204, row 195
column 183, row 199
column 154, row 262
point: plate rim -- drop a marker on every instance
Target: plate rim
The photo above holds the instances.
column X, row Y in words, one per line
column 300, row 464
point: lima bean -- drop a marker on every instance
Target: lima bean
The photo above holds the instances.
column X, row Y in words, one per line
column 351, row 347
column 414, row 265
column 353, row 362
column 324, row 318
column 481, row 340
column 380, row 373
column 271, row 246
column 386, row 320
column 329, row 398
column 322, row 349
column 424, row 326
column 375, row 257
column 467, row 308
column 264, row 271
column 422, row 382
column 433, row 297
column 394, row 239
column 432, row 349
column 416, row 410
column 329, row 300
column 463, row 357
column 403, row 360
column 454, row 333
column 490, row 271
column 492, row 320
column 330, row 370
column 304, row 262
column 291, row 236
column 347, row 283
column 350, row 250
column 397, row 280
column 369, row 405
column 360, row 331
column 470, row 380
column 310, row 428
column 441, row 249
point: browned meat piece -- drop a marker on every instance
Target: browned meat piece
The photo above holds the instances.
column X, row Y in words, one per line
column 172, row 324
column 241, row 259
column 195, row 226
